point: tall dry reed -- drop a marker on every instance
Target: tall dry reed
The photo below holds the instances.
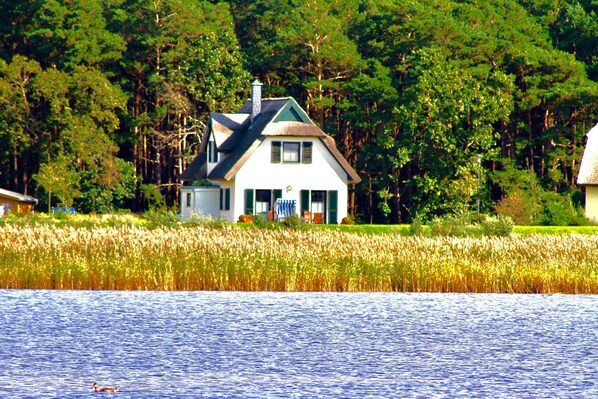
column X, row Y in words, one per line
column 231, row 258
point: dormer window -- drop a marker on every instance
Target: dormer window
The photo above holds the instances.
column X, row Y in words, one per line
column 212, row 152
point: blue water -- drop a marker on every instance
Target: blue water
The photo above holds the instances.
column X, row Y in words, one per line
column 55, row 344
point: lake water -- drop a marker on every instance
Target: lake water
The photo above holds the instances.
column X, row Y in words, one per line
column 55, row 344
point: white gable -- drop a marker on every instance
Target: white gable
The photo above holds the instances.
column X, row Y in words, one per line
column 588, row 171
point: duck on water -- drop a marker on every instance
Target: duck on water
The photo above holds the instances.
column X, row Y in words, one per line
column 105, row 389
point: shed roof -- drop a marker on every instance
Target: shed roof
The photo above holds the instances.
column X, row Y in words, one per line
column 17, row 196
column 588, row 170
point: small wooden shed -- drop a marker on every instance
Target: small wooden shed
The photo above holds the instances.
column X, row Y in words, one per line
column 588, row 174
column 15, row 202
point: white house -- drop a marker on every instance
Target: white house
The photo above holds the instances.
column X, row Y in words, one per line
column 588, row 174
column 268, row 159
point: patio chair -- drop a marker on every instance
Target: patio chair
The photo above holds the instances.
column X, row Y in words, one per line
column 307, row 216
column 318, row 218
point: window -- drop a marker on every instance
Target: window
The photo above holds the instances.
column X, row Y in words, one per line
column 225, row 199
column 290, row 152
column 188, row 200
column 212, row 152
column 262, row 201
column 318, row 200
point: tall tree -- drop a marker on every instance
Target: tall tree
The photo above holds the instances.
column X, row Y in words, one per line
column 182, row 62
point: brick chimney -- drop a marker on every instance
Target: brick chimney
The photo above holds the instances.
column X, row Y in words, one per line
column 256, row 99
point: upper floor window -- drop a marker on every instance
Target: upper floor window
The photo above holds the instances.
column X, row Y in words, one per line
column 212, row 152
column 291, row 152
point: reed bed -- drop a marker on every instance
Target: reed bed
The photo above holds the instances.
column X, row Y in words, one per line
column 233, row 258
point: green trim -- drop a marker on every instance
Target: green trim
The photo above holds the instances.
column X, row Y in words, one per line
column 292, row 112
column 249, row 204
column 332, row 207
column 277, row 194
column 305, row 196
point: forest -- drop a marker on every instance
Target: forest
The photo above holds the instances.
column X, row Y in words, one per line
column 442, row 106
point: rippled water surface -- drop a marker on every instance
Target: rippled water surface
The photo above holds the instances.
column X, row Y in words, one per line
column 55, row 344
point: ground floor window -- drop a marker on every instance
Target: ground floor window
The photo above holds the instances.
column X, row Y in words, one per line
column 318, row 201
column 225, row 199
column 261, row 201
column 319, row 206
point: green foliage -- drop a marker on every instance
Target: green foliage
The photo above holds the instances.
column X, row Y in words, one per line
column 206, row 221
column 161, row 218
column 416, row 227
column 60, row 179
column 521, row 207
column 412, row 92
column 558, row 210
column 349, row 219
column 454, row 225
column 467, row 225
column 500, row 226
column 153, row 197
column 294, row 222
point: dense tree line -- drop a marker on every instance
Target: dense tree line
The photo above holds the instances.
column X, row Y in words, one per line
column 439, row 104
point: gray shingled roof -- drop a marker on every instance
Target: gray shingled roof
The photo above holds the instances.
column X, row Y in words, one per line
column 245, row 138
column 197, row 169
column 231, row 125
column 588, row 170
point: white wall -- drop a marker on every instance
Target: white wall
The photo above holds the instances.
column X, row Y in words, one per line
column 204, row 201
column 324, row 173
column 592, row 202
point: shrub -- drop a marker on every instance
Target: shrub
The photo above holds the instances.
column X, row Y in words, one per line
column 263, row 223
column 349, row 219
column 500, row 225
column 198, row 219
column 293, row 222
column 520, row 207
column 454, row 225
column 560, row 211
column 157, row 219
column 416, row 228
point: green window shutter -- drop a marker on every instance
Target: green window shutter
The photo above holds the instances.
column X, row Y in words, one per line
column 249, row 201
column 305, row 205
column 221, row 199
column 307, row 147
column 333, row 207
column 227, row 199
column 277, row 195
column 276, row 147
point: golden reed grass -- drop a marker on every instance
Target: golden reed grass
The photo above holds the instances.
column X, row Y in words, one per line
column 232, row 258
